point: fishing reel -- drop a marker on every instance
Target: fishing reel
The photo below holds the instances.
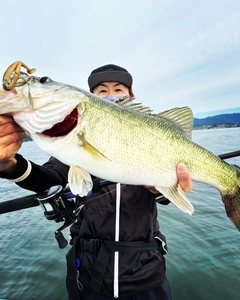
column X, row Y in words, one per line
column 59, row 204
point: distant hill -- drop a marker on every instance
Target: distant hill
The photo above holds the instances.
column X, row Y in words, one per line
column 217, row 112
column 219, row 119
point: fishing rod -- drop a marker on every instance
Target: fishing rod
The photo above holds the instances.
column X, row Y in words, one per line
column 32, row 200
column 229, row 154
column 59, row 203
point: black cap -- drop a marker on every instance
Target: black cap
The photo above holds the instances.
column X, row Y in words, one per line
column 109, row 73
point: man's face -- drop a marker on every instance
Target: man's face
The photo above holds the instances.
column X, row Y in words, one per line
column 111, row 88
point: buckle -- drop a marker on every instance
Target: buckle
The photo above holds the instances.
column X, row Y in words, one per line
column 92, row 245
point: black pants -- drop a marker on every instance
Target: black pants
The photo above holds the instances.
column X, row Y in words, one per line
column 162, row 292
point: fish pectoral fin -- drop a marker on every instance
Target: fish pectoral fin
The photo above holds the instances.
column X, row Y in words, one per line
column 80, row 181
column 176, row 195
column 91, row 149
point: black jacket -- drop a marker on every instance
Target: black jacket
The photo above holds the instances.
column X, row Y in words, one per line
column 138, row 270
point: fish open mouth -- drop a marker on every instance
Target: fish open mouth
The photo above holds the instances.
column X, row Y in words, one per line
column 64, row 127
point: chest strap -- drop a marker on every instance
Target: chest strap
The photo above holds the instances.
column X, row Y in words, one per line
column 107, row 247
column 104, row 248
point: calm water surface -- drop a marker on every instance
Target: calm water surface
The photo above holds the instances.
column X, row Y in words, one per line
column 203, row 262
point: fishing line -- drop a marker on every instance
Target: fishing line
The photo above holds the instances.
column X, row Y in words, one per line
column 113, row 190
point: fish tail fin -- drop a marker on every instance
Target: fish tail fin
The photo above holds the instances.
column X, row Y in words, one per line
column 232, row 203
column 232, row 207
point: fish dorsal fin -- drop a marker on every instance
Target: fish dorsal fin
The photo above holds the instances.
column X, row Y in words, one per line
column 128, row 103
column 182, row 116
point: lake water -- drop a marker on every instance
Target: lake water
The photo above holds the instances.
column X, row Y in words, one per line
column 203, row 262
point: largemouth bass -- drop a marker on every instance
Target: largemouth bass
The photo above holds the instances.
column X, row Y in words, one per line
column 121, row 142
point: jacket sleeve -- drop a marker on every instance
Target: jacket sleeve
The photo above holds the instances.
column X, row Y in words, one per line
column 40, row 177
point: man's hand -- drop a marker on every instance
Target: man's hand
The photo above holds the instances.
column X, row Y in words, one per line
column 184, row 179
column 11, row 138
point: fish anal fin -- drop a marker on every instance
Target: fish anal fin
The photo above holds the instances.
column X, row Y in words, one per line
column 80, row 181
column 176, row 195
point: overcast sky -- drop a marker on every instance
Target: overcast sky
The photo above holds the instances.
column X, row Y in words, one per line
column 179, row 52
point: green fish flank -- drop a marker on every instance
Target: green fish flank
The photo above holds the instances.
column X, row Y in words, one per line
column 121, row 142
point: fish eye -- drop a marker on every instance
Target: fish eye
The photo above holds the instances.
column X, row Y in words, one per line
column 44, row 79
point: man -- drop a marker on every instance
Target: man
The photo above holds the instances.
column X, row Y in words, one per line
column 117, row 248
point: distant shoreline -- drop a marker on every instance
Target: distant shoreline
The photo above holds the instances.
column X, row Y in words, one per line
column 216, row 126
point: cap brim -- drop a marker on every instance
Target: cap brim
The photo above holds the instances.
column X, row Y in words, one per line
column 118, row 76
